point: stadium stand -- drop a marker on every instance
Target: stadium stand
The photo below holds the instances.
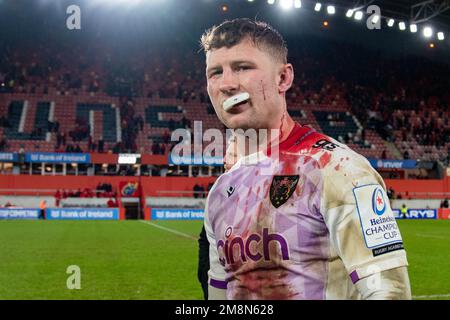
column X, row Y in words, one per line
column 71, row 100
column 87, row 96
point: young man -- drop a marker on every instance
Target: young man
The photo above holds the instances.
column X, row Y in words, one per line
column 42, row 207
column 319, row 224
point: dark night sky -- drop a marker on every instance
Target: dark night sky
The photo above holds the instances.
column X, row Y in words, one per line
column 161, row 21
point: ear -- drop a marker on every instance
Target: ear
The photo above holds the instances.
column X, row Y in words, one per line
column 286, row 77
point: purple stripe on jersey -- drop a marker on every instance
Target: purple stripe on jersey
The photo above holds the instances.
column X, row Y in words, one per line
column 354, row 276
column 218, row 284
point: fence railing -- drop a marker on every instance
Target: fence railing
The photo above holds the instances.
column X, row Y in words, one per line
column 40, row 192
column 423, row 195
column 182, row 193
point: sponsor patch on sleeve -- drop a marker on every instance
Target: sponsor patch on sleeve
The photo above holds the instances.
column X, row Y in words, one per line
column 377, row 220
column 387, row 248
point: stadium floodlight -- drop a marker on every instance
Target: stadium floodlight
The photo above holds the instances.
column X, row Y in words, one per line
column 427, row 32
column 297, row 4
column 359, row 15
column 391, row 22
column 286, row 4
column 331, row 9
column 402, row 26
column 270, row 1
column 413, row 28
column 375, row 19
column 318, row 6
column 349, row 13
column 440, row 35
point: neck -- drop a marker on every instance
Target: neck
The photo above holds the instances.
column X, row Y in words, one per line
column 286, row 126
column 282, row 131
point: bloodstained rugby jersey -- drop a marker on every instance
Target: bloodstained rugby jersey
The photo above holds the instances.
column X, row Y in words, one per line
column 309, row 228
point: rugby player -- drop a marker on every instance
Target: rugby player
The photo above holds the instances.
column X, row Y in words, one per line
column 317, row 224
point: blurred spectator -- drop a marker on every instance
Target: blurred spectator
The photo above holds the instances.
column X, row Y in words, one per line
column 3, row 144
column 101, row 144
column 404, row 211
column 58, row 197
column 445, row 204
column 196, row 190
column 391, row 193
column 162, row 149
column 185, row 123
column 202, row 194
column 42, row 207
column 406, row 155
column 55, row 125
column 166, row 137
column 111, row 203
column 171, row 124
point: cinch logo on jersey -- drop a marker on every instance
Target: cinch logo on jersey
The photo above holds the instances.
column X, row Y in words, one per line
column 245, row 248
column 378, row 204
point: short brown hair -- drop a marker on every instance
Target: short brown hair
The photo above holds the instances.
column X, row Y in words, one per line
column 230, row 33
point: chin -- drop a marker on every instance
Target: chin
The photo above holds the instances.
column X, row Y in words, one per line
column 240, row 121
column 239, row 124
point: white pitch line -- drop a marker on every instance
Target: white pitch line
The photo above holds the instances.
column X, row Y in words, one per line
column 430, row 236
column 432, row 296
column 170, row 230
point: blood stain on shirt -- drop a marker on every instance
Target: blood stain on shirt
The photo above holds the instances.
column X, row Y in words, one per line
column 325, row 159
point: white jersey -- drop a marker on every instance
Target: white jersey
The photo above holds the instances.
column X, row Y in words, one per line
column 310, row 229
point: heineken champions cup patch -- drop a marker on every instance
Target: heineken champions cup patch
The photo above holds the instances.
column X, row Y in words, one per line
column 378, row 223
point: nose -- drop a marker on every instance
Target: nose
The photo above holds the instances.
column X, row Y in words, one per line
column 229, row 83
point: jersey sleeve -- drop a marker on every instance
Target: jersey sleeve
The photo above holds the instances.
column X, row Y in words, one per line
column 216, row 273
column 363, row 231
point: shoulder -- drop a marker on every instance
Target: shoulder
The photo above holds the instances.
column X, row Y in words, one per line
column 335, row 164
column 342, row 170
column 328, row 152
column 322, row 144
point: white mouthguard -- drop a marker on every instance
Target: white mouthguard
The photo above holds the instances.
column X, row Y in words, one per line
column 234, row 100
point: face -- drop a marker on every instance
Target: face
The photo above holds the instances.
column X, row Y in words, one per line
column 245, row 68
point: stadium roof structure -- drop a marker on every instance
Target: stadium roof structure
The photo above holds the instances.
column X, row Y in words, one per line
column 123, row 20
column 410, row 10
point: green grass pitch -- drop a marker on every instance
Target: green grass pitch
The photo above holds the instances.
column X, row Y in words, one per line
column 134, row 260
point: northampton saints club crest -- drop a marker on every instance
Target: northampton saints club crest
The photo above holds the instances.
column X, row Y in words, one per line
column 282, row 189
